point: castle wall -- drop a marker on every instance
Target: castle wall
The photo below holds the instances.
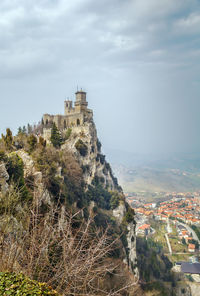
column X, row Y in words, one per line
column 47, row 134
column 64, row 121
column 47, row 118
column 74, row 116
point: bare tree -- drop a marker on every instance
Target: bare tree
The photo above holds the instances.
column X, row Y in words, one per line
column 67, row 252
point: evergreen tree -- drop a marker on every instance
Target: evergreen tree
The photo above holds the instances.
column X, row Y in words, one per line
column 19, row 131
column 8, row 139
column 56, row 138
column 32, row 142
column 29, row 129
column 24, row 130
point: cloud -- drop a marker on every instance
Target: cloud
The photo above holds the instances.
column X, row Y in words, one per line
column 189, row 24
column 141, row 51
column 56, row 32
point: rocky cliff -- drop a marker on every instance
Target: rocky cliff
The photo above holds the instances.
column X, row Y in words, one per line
column 94, row 167
column 74, row 178
column 92, row 161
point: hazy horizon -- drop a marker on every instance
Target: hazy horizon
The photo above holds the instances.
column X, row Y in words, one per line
column 138, row 61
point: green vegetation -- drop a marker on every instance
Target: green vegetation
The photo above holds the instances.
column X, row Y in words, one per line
column 197, row 230
column 179, row 257
column 69, row 186
column 100, row 195
column 56, row 138
column 129, row 216
column 152, row 263
column 98, row 145
column 104, row 199
column 158, row 236
column 177, row 245
column 114, row 201
column 15, row 169
column 23, row 130
column 32, row 142
column 68, row 133
column 8, row 139
column 12, row 284
column 81, row 147
column 157, row 287
column 49, row 229
column 42, row 142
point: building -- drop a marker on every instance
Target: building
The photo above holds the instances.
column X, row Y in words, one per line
column 191, row 248
column 74, row 115
column 190, row 268
column 144, row 229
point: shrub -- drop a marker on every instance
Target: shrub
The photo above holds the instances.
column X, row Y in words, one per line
column 17, row 284
column 42, row 142
column 114, row 201
column 129, row 216
column 8, row 139
column 32, row 142
column 98, row 145
column 68, row 133
column 98, row 194
column 15, row 169
column 81, row 147
column 69, row 253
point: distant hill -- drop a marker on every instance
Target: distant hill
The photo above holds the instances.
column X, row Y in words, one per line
column 157, row 180
column 162, row 173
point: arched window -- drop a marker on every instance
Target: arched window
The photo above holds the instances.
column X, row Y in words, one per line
column 78, row 122
column 47, row 122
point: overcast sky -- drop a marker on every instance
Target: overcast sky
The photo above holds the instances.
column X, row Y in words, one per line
column 138, row 60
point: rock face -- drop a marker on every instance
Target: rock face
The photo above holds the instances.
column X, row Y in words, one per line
column 132, row 257
column 119, row 212
column 29, row 170
column 93, row 163
column 4, row 177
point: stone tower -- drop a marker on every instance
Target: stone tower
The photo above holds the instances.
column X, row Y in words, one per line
column 80, row 103
column 74, row 116
column 68, row 107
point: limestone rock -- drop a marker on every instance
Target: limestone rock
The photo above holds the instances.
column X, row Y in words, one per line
column 132, row 257
column 94, row 163
column 41, row 194
column 119, row 212
column 4, row 177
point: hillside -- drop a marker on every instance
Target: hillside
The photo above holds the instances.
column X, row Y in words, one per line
column 63, row 216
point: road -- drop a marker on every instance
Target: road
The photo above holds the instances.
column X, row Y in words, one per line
column 190, row 230
column 168, row 243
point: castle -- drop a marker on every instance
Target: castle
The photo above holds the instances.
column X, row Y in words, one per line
column 75, row 115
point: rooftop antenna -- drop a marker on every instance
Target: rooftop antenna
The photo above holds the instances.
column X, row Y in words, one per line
column 77, row 87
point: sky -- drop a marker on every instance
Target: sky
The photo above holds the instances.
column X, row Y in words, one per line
column 138, row 61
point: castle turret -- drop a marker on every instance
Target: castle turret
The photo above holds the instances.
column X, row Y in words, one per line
column 81, row 103
column 68, row 107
